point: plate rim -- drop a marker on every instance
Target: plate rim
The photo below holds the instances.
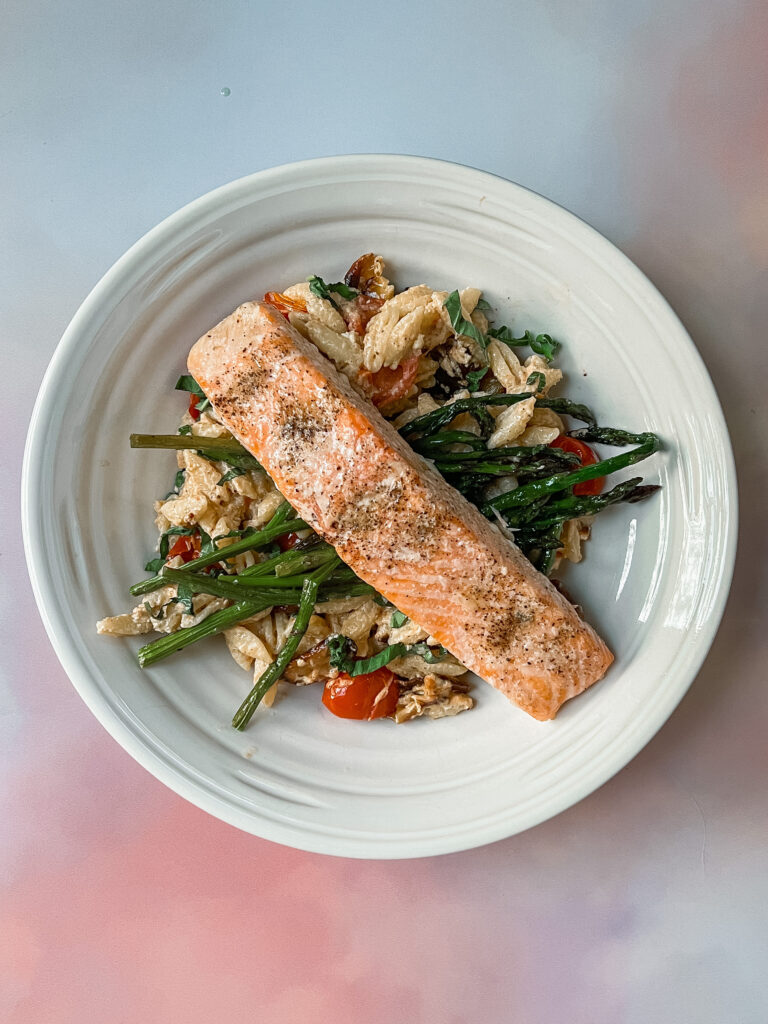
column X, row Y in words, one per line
column 65, row 647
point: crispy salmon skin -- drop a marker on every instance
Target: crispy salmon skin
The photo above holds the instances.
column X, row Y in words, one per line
column 389, row 514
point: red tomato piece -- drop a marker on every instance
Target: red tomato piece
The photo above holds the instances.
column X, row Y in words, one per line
column 386, row 385
column 360, row 311
column 285, row 304
column 185, row 546
column 373, row 695
column 586, row 457
column 286, row 541
column 193, row 400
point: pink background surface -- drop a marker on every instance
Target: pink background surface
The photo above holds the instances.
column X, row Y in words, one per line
column 646, row 902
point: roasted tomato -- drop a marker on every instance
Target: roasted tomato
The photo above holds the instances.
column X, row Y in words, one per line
column 366, row 275
column 360, row 310
column 186, row 547
column 365, row 697
column 286, row 541
column 285, row 304
column 385, row 386
column 586, row 457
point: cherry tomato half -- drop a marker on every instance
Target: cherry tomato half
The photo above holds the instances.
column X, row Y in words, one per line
column 365, row 697
column 185, row 546
column 193, row 400
column 285, row 304
column 286, row 541
column 386, row 385
column 586, row 457
column 360, row 311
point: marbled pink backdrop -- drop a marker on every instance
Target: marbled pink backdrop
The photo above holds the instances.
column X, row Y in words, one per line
column 645, row 903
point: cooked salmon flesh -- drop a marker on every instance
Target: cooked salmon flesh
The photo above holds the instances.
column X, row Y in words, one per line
column 391, row 516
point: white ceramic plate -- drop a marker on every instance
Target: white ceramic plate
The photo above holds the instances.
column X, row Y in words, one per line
column 655, row 577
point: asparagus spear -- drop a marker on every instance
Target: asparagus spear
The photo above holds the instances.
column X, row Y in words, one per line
column 557, row 512
column 430, row 423
column 224, row 449
column 650, row 443
column 237, row 588
column 512, row 454
column 216, row 623
column 270, row 676
column 564, row 407
column 607, row 435
column 276, row 527
column 446, row 437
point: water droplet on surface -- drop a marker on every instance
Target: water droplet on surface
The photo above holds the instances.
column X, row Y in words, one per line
column 226, row 91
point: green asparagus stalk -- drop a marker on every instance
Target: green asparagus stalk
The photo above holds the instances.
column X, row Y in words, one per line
column 557, row 512
column 564, row 407
column 276, row 527
column 223, row 619
column 430, row 423
column 225, row 449
column 549, row 485
column 270, row 676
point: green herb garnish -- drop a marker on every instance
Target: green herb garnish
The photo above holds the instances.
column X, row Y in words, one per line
column 398, row 619
column 187, row 382
column 461, row 325
column 542, row 344
column 184, row 597
column 270, row 676
column 323, row 291
column 341, row 651
column 475, row 378
column 231, row 474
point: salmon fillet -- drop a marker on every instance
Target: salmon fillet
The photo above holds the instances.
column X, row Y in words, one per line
column 391, row 516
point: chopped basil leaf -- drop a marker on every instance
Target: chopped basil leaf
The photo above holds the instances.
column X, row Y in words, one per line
column 323, row 291
column 159, row 614
column 474, row 379
column 247, row 532
column 342, row 650
column 178, row 480
column 460, row 325
column 184, row 597
column 318, row 287
column 207, row 546
column 188, row 383
column 154, row 565
column 398, row 619
column 381, row 601
column 230, row 475
column 175, row 531
column 542, row 344
column 186, row 429
column 343, row 290
column 538, row 380
column 483, row 304
column 545, row 345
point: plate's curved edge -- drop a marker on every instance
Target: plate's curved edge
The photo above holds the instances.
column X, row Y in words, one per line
column 151, row 760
